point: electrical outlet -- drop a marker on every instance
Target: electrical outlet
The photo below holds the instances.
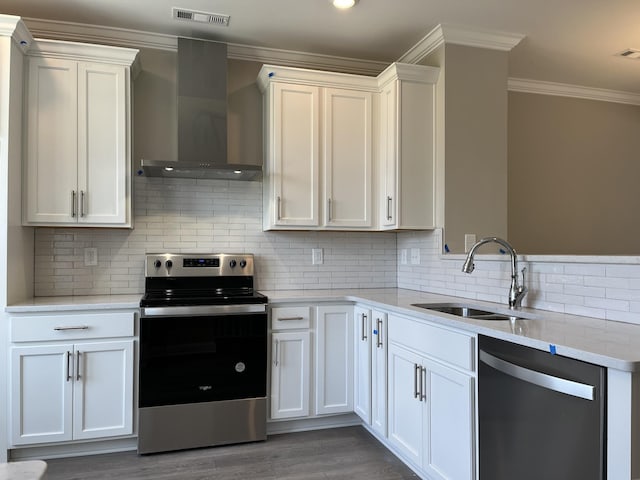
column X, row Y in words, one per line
column 90, row 257
column 415, row 256
column 469, row 241
column 317, row 257
column 403, row 256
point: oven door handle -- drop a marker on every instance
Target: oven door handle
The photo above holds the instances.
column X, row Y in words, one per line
column 557, row 384
column 203, row 310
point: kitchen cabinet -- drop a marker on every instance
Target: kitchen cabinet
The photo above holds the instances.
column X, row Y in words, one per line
column 334, row 359
column 362, row 367
column 318, row 144
column 71, row 377
column 379, row 372
column 370, row 368
column 78, row 139
column 406, row 147
column 431, row 402
column 290, row 362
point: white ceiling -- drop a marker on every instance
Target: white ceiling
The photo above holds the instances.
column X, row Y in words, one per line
column 566, row 41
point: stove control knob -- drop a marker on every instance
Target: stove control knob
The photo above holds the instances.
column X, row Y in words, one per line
column 168, row 264
column 243, row 263
column 157, row 264
column 232, row 263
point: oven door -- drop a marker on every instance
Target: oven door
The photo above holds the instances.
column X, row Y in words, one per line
column 202, row 358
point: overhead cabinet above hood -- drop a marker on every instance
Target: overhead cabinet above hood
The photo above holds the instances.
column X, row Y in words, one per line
column 202, row 118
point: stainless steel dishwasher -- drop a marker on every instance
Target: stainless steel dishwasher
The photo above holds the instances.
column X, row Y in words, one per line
column 541, row 415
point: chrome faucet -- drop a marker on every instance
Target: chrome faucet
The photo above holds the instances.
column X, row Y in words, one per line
column 516, row 292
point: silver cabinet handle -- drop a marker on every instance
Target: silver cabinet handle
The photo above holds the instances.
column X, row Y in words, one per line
column 82, row 203
column 287, row 319
column 73, row 203
column 379, row 329
column 364, row 328
column 416, row 370
column 275, row 356
column 68, row 366
column 279, row 207
column 329, row 209
column 389, row 208
column 423, row 374
column 76, row 327
column 543, row 380
column 78, row 367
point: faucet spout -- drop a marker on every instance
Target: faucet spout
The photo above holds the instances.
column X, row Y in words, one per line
column 516, row 291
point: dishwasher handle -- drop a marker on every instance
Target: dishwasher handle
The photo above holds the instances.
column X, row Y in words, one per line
column 557, row 384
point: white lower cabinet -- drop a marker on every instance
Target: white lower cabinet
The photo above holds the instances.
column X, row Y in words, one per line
column 71, row 391
column 370, row 368
column 290, row 372
column 431, row 405
column 362, row 365
column 334, row 359
column 66, row 384
column 379, row 372
column 290, row 362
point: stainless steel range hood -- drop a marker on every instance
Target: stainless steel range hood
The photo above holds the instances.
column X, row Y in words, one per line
column 202, row 118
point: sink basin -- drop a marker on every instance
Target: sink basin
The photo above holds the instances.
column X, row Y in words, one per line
column 466, row 311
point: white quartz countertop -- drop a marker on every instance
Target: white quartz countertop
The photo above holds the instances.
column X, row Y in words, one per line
column 608, row 343
column 80, row 302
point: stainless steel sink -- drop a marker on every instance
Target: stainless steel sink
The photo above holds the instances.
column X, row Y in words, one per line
column 466, row 311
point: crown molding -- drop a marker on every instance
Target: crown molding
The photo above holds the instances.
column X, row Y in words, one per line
column 77, row 32
column 574, row 91
column 458, row 35
column 14, row 27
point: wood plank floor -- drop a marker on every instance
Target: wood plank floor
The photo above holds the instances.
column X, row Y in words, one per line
column 349, row 453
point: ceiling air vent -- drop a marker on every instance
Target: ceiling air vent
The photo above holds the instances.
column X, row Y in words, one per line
column 630, row 53
column 201, row 17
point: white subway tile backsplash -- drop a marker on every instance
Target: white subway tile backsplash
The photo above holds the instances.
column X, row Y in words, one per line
column 187, row 215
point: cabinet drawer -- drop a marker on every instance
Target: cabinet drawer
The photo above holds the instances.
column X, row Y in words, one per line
column 289, row 318
column 455, row 348
column 71, row 326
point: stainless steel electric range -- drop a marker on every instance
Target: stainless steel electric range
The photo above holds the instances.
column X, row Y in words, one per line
column 203, row 353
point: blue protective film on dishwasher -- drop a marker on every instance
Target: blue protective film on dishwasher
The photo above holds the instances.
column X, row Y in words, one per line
column 552, row 349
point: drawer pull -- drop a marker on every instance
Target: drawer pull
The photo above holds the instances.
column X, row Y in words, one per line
column 78, row 327
column 287, row 319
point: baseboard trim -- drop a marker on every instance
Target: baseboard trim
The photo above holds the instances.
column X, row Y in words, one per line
column 79, row 449
column 275, row 427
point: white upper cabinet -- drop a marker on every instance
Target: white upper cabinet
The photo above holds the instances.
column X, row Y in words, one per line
column 322, row 133
column 78, row 140
column 406, row 146
column 318, row 148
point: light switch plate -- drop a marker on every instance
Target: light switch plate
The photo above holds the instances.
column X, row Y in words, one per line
column 90, row 257
column 317, row 257
column 403, row 256
column 415, row 256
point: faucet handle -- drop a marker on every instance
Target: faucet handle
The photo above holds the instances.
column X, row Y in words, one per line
column 524, row 269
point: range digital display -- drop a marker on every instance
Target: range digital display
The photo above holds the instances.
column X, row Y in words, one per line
column 201, row 262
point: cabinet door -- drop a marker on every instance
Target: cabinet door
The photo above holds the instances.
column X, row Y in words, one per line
column 406, row 422
column 334, row 359
column 290, row 372
column 347, row 158
column 379, row 372
column 295, row 163
column 51, row 170
column 362, row 367
column 449, row 442
column 41, row 394
column 102, row 144
column 388, row 155
column 103, row 389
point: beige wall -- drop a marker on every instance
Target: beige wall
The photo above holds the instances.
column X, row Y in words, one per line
column 574, row 176
column 475, row 144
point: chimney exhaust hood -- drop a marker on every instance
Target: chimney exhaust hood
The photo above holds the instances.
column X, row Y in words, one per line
column 202, row 118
